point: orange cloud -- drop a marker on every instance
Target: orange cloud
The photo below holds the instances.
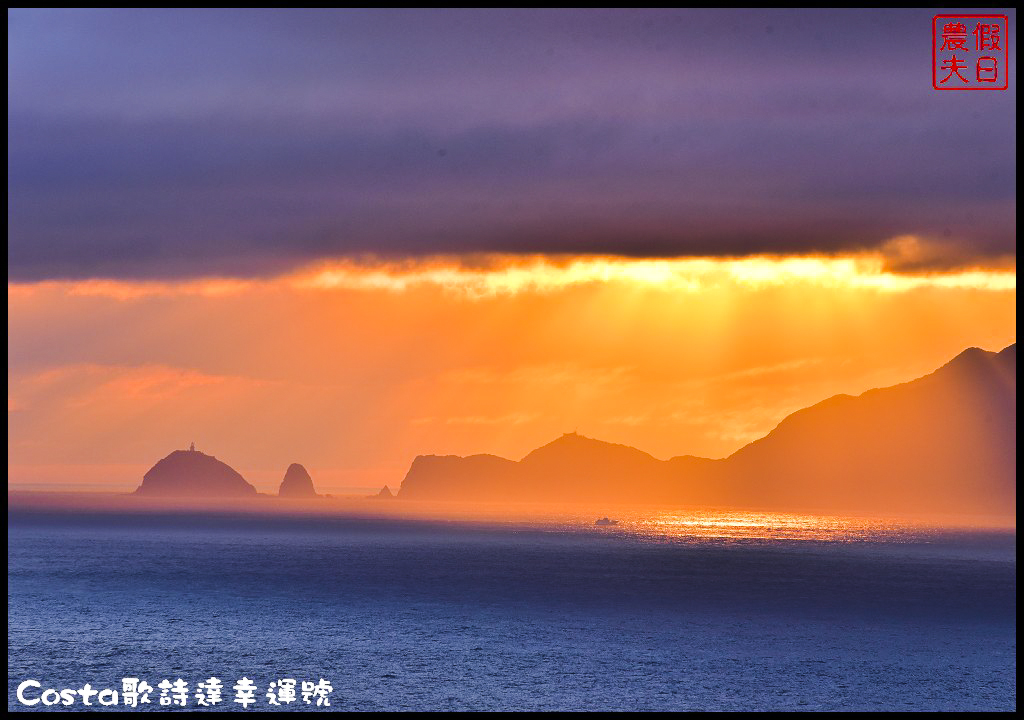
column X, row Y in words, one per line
column 356, row 367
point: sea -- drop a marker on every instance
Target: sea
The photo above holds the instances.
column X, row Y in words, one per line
column 667, row 610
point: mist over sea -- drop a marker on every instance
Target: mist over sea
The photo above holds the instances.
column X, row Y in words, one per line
column 727, row 611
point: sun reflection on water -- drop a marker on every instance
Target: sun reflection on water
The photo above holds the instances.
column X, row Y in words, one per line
column 697, row 525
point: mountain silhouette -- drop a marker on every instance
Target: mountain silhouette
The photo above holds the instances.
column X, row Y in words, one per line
column 947, row 438
column 297, row 483
column 190, row 473
column 945, row 442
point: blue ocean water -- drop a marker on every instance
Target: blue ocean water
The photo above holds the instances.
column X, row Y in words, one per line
column 405, row 614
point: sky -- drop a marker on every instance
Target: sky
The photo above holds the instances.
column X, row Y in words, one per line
column 345, row 238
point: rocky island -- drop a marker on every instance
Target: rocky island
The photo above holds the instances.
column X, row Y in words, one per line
column 190, row 473
column 297, row 483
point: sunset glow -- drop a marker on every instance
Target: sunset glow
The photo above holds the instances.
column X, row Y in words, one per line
column 357, row 366
column 530, row 360
column 488, row 275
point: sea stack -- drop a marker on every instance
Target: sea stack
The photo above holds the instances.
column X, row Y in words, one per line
column 190, row 473
column 385, row 493
column 297, row 483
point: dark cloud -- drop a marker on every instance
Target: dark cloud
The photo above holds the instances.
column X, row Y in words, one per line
column 174, row 143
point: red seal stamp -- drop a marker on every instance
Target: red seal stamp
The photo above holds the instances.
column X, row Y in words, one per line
column 970, row 52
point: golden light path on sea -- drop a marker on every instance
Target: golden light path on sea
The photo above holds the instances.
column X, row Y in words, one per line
column 755, row 525
column 737, row 525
